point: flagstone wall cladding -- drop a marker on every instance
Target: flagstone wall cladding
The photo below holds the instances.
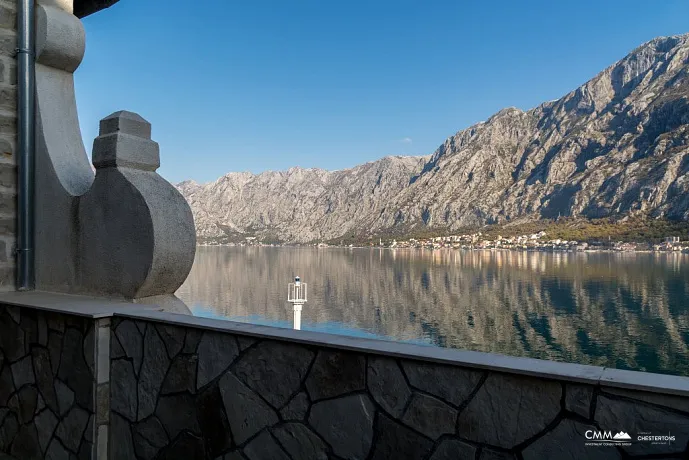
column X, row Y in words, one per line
column 50, row 402
column 183, row 393
column 73, row 388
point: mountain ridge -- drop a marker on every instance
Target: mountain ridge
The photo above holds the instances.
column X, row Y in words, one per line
column 617, row 145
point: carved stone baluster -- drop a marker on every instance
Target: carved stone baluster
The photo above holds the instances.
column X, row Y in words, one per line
column 136, row 231
column 128, row 233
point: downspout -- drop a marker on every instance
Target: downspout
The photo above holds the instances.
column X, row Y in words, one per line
column 26, row 86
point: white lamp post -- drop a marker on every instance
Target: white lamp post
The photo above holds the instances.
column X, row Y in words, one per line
column 296, row 295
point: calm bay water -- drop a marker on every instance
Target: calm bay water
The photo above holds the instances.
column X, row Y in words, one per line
column 629, row 311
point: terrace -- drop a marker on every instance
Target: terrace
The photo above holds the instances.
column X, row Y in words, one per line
column 99, row 359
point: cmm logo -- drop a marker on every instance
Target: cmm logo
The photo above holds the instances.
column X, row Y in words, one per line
column 607, row 436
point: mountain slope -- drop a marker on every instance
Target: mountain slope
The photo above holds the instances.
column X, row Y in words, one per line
column 616, row 146
column 298, row 204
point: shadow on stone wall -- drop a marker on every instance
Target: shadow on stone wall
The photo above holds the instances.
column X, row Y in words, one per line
column 190, row 394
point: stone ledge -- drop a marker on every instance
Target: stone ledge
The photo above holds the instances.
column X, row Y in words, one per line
column 569, row 372
column 645, row 381
column 472, row 359
column 90, row 307
column 94, row 307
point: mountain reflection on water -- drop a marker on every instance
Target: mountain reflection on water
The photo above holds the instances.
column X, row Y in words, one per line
column 622, row 310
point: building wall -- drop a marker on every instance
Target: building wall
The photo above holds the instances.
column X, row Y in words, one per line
column 48, row 391
column 184, row 392
column 8, row 142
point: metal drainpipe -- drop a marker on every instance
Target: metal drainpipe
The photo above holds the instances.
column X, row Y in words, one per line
column 26, row 82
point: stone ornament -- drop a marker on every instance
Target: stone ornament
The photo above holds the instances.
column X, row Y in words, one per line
column 136, row 231
column 127, row 233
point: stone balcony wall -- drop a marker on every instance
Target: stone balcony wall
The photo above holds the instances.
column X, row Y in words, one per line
column 185, row 392
column 152, row 385
column 8, row 142
column 48, row 384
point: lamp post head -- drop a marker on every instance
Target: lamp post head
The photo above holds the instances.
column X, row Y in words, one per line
column 296, row 291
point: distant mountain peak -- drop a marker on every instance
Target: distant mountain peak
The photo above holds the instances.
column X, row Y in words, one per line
column 618, row 145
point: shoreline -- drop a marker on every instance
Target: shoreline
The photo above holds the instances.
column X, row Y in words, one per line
column 546, row 250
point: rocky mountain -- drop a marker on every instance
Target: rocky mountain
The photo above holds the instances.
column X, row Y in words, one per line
column 616, row 146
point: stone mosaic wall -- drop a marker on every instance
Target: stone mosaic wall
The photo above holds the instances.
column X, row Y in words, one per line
column 8, row 141
column 181, row 393
column 47, row 385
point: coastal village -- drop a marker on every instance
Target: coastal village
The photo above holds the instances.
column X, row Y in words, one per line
column 535, row 241
column 478, row 241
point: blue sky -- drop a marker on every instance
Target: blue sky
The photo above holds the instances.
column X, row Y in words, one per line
column 265, row 85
